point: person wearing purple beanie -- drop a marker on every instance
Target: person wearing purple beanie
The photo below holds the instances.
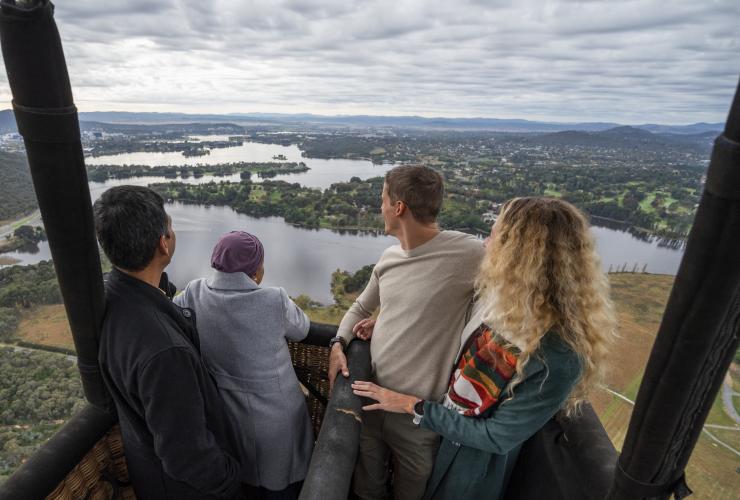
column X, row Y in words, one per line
column 244, row 330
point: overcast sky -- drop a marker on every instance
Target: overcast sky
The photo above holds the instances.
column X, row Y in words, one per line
column 631, row 61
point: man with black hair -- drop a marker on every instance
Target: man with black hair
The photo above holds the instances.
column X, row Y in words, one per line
column 176, row 435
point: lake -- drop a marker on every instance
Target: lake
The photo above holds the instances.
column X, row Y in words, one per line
column 323, row 172
column 302, row 260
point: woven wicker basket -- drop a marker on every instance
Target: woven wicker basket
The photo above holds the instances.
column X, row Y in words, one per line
column 311, row 364
column 102, row 474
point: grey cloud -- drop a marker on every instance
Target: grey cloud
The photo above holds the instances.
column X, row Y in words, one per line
column 94, row 9
column 628, row 61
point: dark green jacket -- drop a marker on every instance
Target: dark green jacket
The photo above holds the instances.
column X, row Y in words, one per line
column 477, row 453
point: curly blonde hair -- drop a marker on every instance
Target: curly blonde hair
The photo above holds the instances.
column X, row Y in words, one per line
column 541, row 273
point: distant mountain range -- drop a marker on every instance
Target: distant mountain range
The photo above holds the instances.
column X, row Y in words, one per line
column 7, row 122
column 625, row 137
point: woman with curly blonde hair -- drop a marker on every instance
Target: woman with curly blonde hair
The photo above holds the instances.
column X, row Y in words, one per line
column 536, row 342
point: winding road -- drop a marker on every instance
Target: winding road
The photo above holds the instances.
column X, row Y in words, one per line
column 727, row 399
column 29, row 220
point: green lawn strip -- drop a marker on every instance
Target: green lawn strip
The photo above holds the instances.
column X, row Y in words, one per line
column 630, row 392
column 668, row 200
column 608, row 199
column 646, row 204
column 551, row 190
column 21, row 222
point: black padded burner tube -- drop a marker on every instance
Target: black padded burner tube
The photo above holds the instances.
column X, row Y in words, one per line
column 696, row 341
column 333, row 460
column 47, row 120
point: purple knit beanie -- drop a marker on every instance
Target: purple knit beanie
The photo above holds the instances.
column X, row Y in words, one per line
column 238, row 251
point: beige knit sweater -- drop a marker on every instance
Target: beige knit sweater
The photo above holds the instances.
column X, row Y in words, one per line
column 423, row 295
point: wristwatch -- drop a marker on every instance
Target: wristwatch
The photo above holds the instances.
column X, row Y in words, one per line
column 418, row 412
column 339, row 339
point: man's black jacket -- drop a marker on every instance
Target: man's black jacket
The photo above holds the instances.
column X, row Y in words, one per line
column 176, row 435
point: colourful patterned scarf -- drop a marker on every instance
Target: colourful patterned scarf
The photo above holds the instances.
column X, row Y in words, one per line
column 485, row 368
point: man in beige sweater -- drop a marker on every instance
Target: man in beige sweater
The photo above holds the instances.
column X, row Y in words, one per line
column 423, row 288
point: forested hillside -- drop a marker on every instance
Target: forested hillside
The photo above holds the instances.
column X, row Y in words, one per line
column 16, row 188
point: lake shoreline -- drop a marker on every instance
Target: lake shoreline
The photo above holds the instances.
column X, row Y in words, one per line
column 301, row 255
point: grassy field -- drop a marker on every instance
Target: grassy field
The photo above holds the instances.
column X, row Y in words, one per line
column 646, row 204
column 46, row 325
column 640, row 300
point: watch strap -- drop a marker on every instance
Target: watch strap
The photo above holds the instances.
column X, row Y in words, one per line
column 339, row 339
column 418, row 412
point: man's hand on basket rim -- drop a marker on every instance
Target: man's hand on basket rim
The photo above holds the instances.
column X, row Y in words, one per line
column 337, row 363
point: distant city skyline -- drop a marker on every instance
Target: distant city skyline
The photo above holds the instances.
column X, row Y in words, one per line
column 630, row 62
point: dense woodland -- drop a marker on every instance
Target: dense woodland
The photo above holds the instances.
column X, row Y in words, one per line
column 39, row 392
column 16, row 187
column 102, row 173
column 356, row 282
column 347, row 205
column 353, row 208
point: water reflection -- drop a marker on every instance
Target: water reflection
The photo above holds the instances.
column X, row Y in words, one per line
column 619, row 248
column 660, row 241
